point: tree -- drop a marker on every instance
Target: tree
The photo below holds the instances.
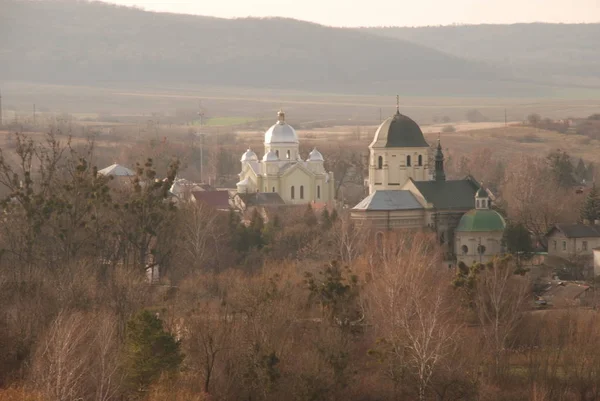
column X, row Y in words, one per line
column 517, row 240
column 475, row 116
column 149, row 351
column 500, row 297
column 534, row 119
column 561, row 168
column 591, row 208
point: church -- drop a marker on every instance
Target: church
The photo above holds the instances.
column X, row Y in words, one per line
column 408, row 188
column 283, row 171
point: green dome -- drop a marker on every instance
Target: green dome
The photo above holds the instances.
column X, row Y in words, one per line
column 478, row 220
column 482, row 193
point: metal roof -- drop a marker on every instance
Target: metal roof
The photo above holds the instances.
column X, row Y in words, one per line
column 454, row 194
column 117, row 170
column 389, row 200
column 577, row 230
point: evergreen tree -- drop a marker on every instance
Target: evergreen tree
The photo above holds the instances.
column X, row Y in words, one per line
column 562, row 168
column 333, row 216
column 309, row 216
column 591, row 208
column 149, row 351
column 580, row 170
column 326, row 219
column 517, row 240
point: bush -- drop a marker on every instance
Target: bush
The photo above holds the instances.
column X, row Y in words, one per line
column 449, row 128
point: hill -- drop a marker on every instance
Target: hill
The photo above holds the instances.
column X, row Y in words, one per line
column 87, row 43
column 558, row 53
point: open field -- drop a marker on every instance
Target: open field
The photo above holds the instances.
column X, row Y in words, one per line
column 326, row 109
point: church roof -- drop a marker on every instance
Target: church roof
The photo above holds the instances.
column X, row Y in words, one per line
column 281, row 132
column 389, row 200
column 261, row 199
column 478, row 220
column 453, row 194
column 399, row 131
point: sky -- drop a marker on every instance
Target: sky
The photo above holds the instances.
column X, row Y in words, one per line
column 386, row 12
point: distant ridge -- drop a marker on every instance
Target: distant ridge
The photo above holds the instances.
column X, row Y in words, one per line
column 62, row 41
column 556, row 53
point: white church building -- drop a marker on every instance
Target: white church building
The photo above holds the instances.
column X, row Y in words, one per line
column 282, row 170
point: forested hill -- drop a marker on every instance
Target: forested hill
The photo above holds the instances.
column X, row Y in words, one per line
column 61, row 41
column 560, row 52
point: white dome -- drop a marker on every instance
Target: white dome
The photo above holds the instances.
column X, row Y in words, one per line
column 249, row 156
column 270, row 156
column 315, row 156
column 281, row 132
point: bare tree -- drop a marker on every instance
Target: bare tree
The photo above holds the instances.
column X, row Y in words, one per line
column 500, row 298
column 62, row 361
column 412, row 307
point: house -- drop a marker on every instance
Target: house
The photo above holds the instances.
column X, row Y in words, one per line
column 215, row 199
column 596, row 261
column 568, row 240
column 562, row 294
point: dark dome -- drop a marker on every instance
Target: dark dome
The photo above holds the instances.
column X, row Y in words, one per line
column 400, row 131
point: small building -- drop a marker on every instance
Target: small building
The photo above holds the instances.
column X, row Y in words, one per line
column 116, row 170
column 596, row 261
column 568, row 240
column 218, row 200
column 479, row 232
column 564, row 294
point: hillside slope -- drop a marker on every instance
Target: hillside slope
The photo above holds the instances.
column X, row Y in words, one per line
column 559, row 53
column 62, row 41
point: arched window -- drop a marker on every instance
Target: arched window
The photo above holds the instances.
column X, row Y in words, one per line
column 464, row 249
column 301, row 191
column 420, row 160
column 489, row 205
column 481, row 249
column 292, row 192
column 318, row 192
column 380, row 162
column 288, row 154
column 277, row 153
column 408, row 160
column 273, row 189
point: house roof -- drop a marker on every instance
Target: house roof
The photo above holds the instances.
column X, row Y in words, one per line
column 453, row 194
column 261, row 199
column 216, row 199
column 117, row 170
column 564, row 293
column 389, row 200
column 576, row 230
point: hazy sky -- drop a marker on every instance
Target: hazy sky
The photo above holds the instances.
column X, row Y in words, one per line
column 387, row 12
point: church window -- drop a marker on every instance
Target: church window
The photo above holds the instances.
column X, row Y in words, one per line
column 564, row 245
column 489, row 203
column 408, row 160
column 273, row 189
column 380, row 162
column 554, row 245
column 318, row 192
column 481, row 249
column 420, row 160
column 277, row 153
column 288, row 154
column 464, row 249
column 292, row 192
column 584, row 246
column 301, row 191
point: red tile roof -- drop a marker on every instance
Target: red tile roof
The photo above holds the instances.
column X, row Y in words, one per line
column 216, row 199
